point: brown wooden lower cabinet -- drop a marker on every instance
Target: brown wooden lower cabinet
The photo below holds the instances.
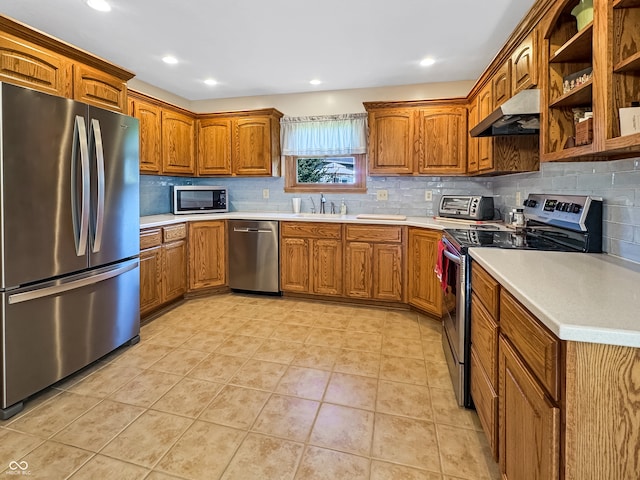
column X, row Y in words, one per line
column 374, row 263
column 529, row 423
column 311, row 258
column 207, row 255
column 566, row 410
column 162, row 266
column 424, row 291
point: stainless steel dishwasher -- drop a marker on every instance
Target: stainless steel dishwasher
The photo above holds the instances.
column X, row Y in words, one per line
column 254, row 256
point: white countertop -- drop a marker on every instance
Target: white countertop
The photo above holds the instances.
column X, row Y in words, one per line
column 168, row 219
column 583, row 297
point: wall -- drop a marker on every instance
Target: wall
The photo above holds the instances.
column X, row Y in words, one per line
column 617, row 182
column 328, row 102
column 406, row 194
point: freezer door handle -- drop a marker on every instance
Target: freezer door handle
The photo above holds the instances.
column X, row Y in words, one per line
column 71, row 285
column 80, row 225
column 96, row 138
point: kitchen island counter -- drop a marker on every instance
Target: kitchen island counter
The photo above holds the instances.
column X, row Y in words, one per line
column 579, row 296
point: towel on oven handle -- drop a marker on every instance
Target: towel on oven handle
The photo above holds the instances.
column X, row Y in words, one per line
column 442, row 266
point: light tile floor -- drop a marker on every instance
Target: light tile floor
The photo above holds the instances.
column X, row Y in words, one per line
column 249, row 387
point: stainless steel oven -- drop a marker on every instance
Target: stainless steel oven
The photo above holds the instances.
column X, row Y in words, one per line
column 564, row 223
column 455, row 325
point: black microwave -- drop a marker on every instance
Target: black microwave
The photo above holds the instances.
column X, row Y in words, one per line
column 199, row 199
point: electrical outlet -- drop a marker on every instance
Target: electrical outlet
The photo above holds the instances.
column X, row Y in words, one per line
column 518, row 198
column 428, row 195
column 382, row 195
column 265, row 193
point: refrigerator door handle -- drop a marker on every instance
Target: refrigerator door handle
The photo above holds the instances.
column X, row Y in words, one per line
column 96, row 136
column 80, row 225
column 72, row 285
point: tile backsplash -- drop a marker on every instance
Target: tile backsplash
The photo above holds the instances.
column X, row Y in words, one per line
column 617, row 182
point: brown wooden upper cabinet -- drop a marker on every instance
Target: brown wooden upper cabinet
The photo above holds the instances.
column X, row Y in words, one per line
column 32, row 59
column 485, row 144
column 241, row 143
column 178, row 143
column 391, row 134
column 501, row 85
column 150, row 118
column 414, row 138
column 95, row 87
column 524, row 64
column 473, row 143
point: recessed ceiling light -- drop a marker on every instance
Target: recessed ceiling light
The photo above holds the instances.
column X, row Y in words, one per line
column 210, row 81
column 100, row 5
column 170, row 60
column 315, row 81
column 427, row 62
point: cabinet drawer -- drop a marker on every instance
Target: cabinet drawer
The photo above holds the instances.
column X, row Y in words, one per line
column 311, row 230
column 150, row 238
column 174, row 232
column 373, row 233
column 486, row 402
column 538, row 347
column 484, row 338
column 486, row 288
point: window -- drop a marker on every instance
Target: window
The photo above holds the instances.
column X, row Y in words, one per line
column 326, row 153
column 346, row 173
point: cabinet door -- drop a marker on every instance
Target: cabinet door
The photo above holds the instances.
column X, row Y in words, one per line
column 150, row 119
column 35, row 67
column 387, row 272
column 485, row 144
column 207, row 255
column 424, row 287
column 252, row 148
column 95, row 87
column 501, row 85
column 442, row 141
column 294, row 265
column 529, row 423
column 177, row 143
column 358, row 270
column 150, row 279
column 391, row 138
column 214, row 146
column 472, row 142
column 174, row 271
column 524, row 64
column 327, row 267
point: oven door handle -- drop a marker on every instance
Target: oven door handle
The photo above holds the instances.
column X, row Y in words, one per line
column 454, row 258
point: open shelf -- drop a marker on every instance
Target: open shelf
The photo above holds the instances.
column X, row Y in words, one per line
column 580, row 96
column 630, row 143
column 629, row 64
column 568, row 153
column 626, row 3
column 577, row 49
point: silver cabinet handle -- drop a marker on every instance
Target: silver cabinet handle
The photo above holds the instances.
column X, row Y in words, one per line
column 72, row 285
column 81, row 225
column 96, row 136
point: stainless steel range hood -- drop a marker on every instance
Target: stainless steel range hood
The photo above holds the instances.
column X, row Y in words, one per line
column 520, row 115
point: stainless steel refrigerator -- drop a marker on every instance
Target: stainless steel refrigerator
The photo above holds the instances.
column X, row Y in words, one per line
column 69, row 238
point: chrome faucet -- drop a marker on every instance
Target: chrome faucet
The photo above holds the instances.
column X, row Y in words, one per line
column 322, row 202
column 313, row 205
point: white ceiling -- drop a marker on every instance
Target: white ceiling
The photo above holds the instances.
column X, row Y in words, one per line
column 259, row 47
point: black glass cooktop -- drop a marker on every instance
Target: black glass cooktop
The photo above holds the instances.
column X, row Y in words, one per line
column 523, row 240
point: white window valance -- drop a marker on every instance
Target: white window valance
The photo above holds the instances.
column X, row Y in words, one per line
column 324, row 135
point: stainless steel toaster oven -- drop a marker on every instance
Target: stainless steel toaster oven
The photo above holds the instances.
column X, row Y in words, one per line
column 468, row 207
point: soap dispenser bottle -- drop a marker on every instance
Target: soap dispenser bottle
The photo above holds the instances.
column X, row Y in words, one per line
column 343, row 207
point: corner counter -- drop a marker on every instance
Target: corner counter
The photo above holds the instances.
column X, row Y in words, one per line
column 582, row 297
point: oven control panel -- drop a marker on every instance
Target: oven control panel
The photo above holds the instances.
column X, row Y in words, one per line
column 568, row 211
